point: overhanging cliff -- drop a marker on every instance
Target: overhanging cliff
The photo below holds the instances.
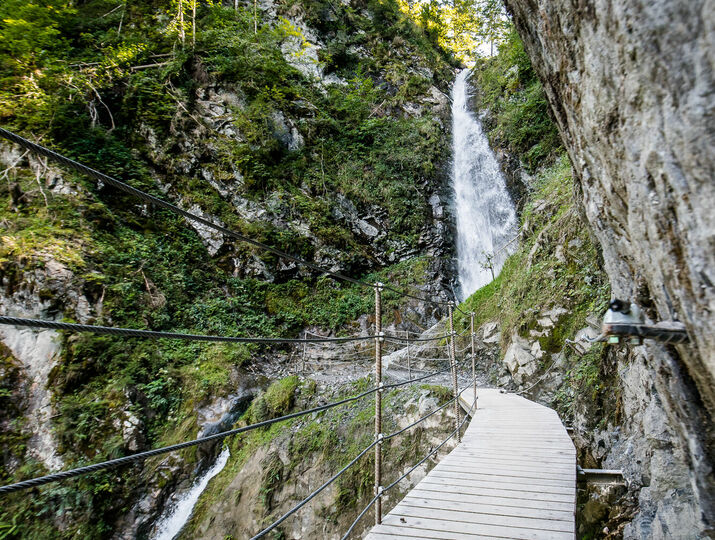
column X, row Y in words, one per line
column 631, row 87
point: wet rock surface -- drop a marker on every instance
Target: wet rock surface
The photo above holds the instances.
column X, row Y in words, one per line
column 36, row 289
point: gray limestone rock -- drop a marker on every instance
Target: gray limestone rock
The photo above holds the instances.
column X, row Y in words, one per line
column 520, row 359
column 631, row 87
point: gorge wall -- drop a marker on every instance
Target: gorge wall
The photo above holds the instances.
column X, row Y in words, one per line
column 631, row 88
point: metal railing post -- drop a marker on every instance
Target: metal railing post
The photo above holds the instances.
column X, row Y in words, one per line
column 474, row 369
column 453, row 358
column 409, row 362
column 378, row 402
column 305, row 336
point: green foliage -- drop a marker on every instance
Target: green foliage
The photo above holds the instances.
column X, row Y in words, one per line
column 460, row 26
column 519, row 116
column 30, row 32
column 279, row 396
column 69, row 76
column 272, row 476
column 534, row 279
column 442, row 393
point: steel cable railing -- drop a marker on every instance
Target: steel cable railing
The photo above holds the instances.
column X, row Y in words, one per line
column 317, row 491
column 406, row 474
column 153, row 334
column 379, row 338
column 80, row 471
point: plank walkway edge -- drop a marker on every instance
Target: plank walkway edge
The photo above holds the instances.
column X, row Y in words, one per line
column 512, row 476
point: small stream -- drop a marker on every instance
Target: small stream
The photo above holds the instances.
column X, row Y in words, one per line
column 175, row 516
column 485, row 216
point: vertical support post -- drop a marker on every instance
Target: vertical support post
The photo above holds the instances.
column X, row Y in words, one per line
column 305, row 344
column 474, row 368
column 409, row 361
column 453, row 358
column 378, row 402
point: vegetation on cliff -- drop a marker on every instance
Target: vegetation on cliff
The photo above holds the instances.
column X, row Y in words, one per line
column 272, row 469
column 133, row 90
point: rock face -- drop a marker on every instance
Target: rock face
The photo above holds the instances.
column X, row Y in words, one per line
column 32, row 291
column 631, row 87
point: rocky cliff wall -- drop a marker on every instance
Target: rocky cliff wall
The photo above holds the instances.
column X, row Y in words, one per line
column 631, row 88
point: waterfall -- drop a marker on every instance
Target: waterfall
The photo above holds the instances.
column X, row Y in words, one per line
column 485, row 216
column 174, row 519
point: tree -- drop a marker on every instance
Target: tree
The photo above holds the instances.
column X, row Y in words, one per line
column 494, row 22
column 460, row 25
column 30, row 32
column 487, row 262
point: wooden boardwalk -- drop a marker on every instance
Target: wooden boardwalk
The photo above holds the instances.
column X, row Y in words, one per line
column 513, row 476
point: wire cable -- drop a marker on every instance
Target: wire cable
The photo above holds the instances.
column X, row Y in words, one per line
column 541, row 378
column 393, row 484
column 410, row 381
column 344, row 469
column 422, row 419
column 313, row 495
column 68, row 162
column 131, row 332
column 63, row 475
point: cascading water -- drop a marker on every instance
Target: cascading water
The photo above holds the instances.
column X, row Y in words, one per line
column 485, row 215
column 171, row 523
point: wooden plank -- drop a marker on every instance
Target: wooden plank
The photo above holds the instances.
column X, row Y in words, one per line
column 507, row 475
column 492, row 491
column 507, row 486
column 416, row 501
column 479, row 445
column 560, row 457
column 474, row 518
column 554, row 455
column 474, row 455
column 485, row 463
column 505, row 502
column 473, row 474
column 538, row 438
column 459, row 528
column 388, row 532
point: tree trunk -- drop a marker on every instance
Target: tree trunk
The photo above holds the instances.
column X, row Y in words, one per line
column 193, row 23
column 181, row 22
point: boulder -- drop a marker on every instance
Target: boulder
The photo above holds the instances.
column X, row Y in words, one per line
column 490, row 332
column 519, row 359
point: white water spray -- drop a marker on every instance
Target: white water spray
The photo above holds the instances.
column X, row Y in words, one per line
column 173, row 520
column 485, row 215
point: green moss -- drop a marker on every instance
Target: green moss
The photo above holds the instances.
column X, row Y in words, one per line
column 280, row 395
column 442, row 393
column 271, row 480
